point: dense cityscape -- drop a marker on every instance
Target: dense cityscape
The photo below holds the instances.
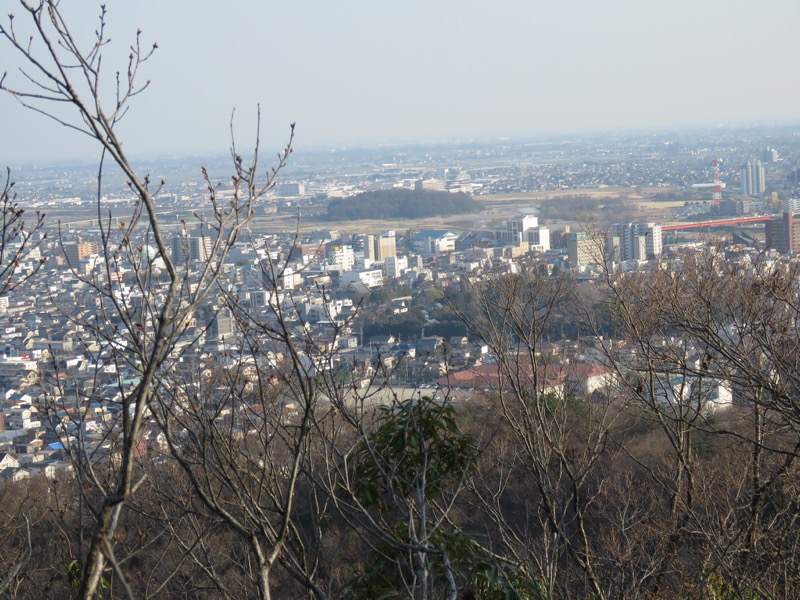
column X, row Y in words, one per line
column 380, row 311
column 522, row 368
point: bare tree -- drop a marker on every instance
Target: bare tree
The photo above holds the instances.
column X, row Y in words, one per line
column 137, row 328
column 551, row 445
column 20, row 239
column 716, row 326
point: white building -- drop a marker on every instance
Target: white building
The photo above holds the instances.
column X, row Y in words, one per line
column 395, row 266
column 342, row 257
column 526, row 228
column 638, row 241
column 754, row 179
column 429, row 242
column 705, row 394
column 371, row 279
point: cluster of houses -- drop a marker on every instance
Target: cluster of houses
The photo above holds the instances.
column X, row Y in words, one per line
column 59, row 381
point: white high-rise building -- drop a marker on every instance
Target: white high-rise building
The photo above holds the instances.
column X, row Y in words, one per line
column 638, row 241
column 516, row 227
column 342, row 257
column 191, row 248
column 525, row 228
column 753, row 178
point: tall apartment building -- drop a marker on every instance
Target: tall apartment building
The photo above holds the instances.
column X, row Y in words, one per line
column 791, row 205
column 342, row 257
column 582, row 249
column 612, row 249
column 385, row 245
column 367, row 243
column 79, row 251
column 754, row 180
column 190, row 248
column 783, row 233
column 638, row 241
column 526, row 228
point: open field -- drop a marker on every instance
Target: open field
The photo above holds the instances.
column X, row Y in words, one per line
column 558, row 208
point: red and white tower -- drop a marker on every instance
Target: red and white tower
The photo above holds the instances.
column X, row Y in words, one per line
column 716, row 198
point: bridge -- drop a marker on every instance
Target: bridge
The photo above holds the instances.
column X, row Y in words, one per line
column 723, row 223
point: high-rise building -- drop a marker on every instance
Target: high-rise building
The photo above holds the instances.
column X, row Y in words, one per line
column 516, row 227
column 385, row 245
column 582, row 249
column 191, row 248
column 223, row 326
column 612, row 249
column 638, row 241
column 770, row 155
column 525, row 228
column 342, row 256
column 791, row 205
column 753, row 178
column 367, row 243
column 79, row 251
column 783, row 233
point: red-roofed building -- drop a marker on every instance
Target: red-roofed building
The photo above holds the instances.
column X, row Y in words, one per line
column 563, row 379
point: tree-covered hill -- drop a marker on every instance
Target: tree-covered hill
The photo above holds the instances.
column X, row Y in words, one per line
column 402, row 204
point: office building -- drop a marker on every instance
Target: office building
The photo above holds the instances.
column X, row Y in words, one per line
column 783, row 234
column 342, row 257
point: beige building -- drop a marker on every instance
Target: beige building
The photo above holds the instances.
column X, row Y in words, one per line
column 79, row 251
column 385, row 246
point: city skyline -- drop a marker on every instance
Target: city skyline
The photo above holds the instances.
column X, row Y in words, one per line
column 358, row 73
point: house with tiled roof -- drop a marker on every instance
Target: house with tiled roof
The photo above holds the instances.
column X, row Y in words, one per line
column 580, row 379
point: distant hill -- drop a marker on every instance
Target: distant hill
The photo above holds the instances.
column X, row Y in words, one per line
column 401, row 204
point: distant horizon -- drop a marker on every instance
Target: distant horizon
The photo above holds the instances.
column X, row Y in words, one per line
column 360, row 74
column 88, row 160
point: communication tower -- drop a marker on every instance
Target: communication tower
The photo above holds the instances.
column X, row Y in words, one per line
column 716, row 198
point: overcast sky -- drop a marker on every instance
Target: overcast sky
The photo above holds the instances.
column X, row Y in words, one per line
column 381, row 71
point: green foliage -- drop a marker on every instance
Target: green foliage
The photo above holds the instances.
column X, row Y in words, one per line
column 378, row 296
column 74, row 575
column 401, row 203
column 418, row 452
column 417, row 445
column 405, row 325
column 388, row 578
column 568, row 207
column 384, row 294
column 717, row 588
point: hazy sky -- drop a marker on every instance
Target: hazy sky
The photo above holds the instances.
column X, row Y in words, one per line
column 364, row 71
